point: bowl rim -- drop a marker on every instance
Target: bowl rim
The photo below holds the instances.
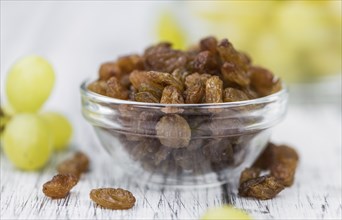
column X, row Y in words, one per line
column 109, row 100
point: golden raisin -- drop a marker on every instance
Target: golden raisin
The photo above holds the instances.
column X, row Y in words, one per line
column 171, row 95
column 60, row 186
column 111, row 198
column 213, row 90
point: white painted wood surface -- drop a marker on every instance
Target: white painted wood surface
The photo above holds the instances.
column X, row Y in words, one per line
column 316, row 193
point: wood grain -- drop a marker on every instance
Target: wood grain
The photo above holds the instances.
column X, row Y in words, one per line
column 316, row 193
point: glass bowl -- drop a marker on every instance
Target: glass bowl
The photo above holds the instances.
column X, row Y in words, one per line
column 183, row 144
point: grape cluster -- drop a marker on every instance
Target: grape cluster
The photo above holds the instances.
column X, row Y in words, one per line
column 29, row 137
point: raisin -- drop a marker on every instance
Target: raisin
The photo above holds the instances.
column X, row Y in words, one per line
column 144, row 148
column 173, row 131
column 264, row 187
column 205, row 62
column 115, row 89
column 76, row 165
column 233, row 95
column 195, row 93
column 284, row 164
column 219, row 152
column 60, row 186
column 263, row 81
column 162, row 57
column 138, row 77
column 224, row 125
column 234, row 75
column 209, row 43
column 129, row 63
column 171, row 95
column 265, row 159
column 111, row 198
column 145, row 97
column 99, row 87
column 108, row 69
column 281, row 161
column 230, row 55
column 193, row 78
column 249, row 173
column 82, row 160
column 161, row 78
column 213, row 90
column 153, row 88
column 164, row 79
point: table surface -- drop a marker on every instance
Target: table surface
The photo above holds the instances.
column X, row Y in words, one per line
column 316, row 193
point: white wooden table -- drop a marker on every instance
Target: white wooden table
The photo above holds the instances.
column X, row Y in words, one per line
column 316, row 193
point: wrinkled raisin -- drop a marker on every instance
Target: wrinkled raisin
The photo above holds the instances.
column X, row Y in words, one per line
column 111, row 198
column 284, row 164
column 173, row 131
column 108, row 69
column 263, row 81
column 162, row 57
column 234, row 75
column 153, row 88
column 264, row 187
column 76, row 165
column 99, row 87
column 213, row 90
column 281, row 161
column 233, row 95
column 115, row 89
column 145, row 97
column 205, row 62
column 60, row 186
column 129, row 63
column 195, row 93
column 171, row 95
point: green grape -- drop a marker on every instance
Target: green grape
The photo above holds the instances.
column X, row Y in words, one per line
column 225, row 213
column 60, row 128
column 27, row 141
column 29, row 83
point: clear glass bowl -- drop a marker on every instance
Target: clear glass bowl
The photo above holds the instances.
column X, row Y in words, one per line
column 183, row 144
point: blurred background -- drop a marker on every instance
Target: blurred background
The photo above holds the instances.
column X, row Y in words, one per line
column 300, row 41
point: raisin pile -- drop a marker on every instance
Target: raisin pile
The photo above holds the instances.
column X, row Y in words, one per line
column 211, row 72
column 176, row 140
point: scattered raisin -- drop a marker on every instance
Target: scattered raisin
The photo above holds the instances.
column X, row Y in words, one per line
column 76, row 165
column 60, row 186
column 284, row 164
column 111, row 198
column 264, row 187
